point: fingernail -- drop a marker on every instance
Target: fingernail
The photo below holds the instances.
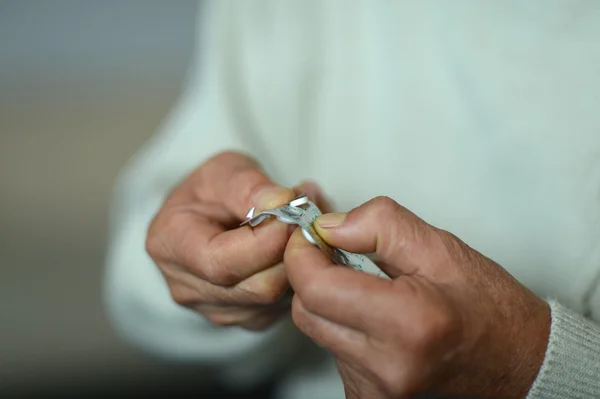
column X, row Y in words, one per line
column 272, row 197
column 331, row 220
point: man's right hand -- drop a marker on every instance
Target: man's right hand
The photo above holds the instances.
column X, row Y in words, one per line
column 231, row 275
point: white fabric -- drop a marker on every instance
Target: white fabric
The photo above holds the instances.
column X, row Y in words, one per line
column 571, row 366
column 480, row 116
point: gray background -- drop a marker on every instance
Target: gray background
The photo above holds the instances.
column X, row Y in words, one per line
column 82, row 85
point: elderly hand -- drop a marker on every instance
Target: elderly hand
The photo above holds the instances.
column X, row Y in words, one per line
column 233, row 276
column 451, row 321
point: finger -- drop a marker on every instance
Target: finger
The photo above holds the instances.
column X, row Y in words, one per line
column 206, row 250
column 399, row 238
column 339, row 294
column 239, row 183
column 262, row 289
column 264, row 320
column 266, row 287
column 254, row 319
column 345, row 343
column 235, row 255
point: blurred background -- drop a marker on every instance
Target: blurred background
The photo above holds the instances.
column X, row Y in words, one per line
column 83, row 84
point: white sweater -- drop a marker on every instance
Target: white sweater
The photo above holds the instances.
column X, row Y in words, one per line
column 483, row 117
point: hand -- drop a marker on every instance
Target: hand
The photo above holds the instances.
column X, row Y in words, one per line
column 451, row 321
column 231, row 275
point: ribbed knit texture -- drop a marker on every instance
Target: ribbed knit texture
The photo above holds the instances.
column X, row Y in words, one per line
column 571, row 368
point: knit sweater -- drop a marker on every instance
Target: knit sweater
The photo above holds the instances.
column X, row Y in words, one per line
column 480, row 116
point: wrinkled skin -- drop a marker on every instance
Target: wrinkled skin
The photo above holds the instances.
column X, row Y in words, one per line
column 451, row 322
column 232, row 276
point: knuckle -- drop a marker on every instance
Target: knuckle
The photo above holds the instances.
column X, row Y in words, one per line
column 249, row 181
column 385, row 205
column 248, row 175
column 226, row 156
column 394, row 384
column 273, row 245
column 266, row 296
column 229, row 157
column 158, row 245
column 397, row 381
column 155, row 244
column 214, row 274
column 211, row 269
column 400, row 229
column 259, row 323
column 433, row 331
column 265, row 288
column 182, row 295
column 218, row 319
column 455, row 248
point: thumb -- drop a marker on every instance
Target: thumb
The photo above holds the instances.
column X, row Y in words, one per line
column 381, row 226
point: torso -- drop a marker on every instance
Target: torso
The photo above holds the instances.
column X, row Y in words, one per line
column 484, row 120
column 481, row 117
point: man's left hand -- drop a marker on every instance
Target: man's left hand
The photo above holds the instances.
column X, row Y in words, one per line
column 450, row 322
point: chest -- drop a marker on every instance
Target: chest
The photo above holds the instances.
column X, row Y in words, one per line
column 483, row 120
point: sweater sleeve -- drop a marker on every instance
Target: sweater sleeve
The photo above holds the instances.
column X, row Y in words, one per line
column 137, row 298
column 571, row 367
